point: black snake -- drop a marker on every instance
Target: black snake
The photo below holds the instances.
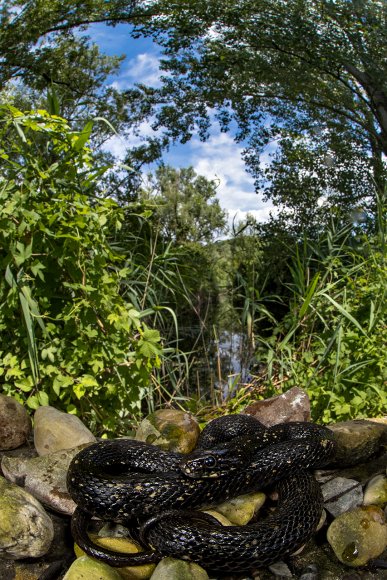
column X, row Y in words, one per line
column 128, row 481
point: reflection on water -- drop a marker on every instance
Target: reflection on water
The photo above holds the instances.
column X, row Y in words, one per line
column 225, row 362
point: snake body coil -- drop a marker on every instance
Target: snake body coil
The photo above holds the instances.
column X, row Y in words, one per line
column 122, row 480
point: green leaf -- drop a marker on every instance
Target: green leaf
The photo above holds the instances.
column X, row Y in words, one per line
column 84, row 136
column 344, row 312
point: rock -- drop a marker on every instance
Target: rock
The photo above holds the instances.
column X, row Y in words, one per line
column 294, row 405
column 26, row 531
column 172, row 569
column 15, row 424
column 358, row 440
column 55, row 430
column 280, row 569
column 126, row 546
column 241, row 509
column 358, row 536
column 341, row 494
column 44, row 477
column 218, row 516
column 170, row 429
column 376, row 491
column 86, row 568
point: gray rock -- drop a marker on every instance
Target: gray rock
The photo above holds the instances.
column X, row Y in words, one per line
column 15, row 424
column 55, row 430
column 358, row 440
column 358, row 536
column 341, row 494
column 44, row 477
column 26, row 531
column 280, row 569
column 170, row 429
column 294, row 405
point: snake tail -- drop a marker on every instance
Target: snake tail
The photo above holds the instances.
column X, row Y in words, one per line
column 79, row 525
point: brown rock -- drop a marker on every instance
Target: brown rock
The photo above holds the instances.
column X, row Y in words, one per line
column 15, row 424
column 170, row 429
column 294, row 405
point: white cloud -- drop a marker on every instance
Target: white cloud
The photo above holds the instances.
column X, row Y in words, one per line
column 118, row 145
column 220, row 159
column 143, row 68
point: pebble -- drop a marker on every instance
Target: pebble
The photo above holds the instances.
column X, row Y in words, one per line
column 55, row 430
column 172, row 569
column 358, row 440
column 376, row 491
column 280, row 569
column 86, row 568
column 294, row 405
column 26, row 531
column 44, row 477
column 358, row 536
column 170, row 429
column 120, row 544
column 341, row 494
column 15, row 423
column 241, row 509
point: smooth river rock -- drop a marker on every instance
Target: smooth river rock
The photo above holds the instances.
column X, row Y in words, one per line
column 241, row 509
column 172, row 569
column 170, row 429
column 44, row 477
column 294, row 405
column 15, row 423
column 55, row 430
column 358, row 440
column 126, row 546
column 26, row 531
column 359, row 535
column 86, row 568
column 376, row 491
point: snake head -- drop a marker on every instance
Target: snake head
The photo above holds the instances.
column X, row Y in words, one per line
column 212, row 463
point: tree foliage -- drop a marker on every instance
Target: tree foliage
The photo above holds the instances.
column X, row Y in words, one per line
column 67, row 336
column 308, row 75
column 185, row 208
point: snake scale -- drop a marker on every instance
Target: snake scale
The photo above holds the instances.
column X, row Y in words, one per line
column 131, row 482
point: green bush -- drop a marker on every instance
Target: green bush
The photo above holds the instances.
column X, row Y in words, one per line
column 333, row 340
column 67, row 336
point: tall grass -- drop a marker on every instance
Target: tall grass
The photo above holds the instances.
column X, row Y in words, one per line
column 332, row 342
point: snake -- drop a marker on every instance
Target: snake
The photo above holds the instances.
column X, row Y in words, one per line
column 158, row 492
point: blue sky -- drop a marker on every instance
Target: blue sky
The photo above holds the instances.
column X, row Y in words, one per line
column 219, row 158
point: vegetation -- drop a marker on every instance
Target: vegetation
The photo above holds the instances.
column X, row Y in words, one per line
column 115, row 289
column 67, row 336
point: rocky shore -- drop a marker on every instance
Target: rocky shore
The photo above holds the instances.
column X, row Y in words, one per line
column 35, row 508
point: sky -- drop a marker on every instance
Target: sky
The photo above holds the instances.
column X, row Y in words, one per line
column 219, row 158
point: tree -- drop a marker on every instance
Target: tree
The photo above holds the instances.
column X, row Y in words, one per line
column 277, row 71
column 184, row 205
column 280, row 71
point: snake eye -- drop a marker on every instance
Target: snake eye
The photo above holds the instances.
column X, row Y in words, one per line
column 210, row 461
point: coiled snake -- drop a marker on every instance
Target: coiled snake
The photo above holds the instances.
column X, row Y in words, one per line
column 128, row 481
